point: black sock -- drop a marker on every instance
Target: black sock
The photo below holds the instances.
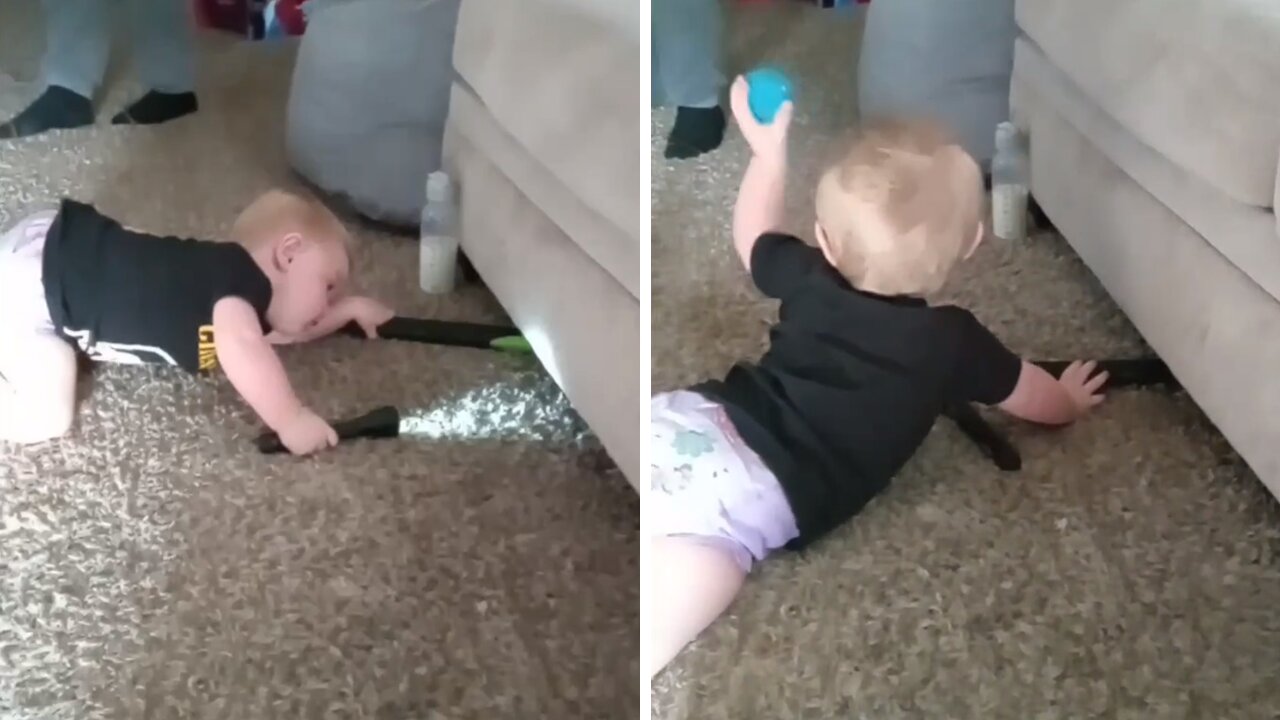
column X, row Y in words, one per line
column 56, row 109
column 156, row 107
column 697, row 130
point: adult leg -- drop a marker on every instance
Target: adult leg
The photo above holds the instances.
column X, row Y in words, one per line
column 164, row 58
column 687, row 39
column 691, row 584
column 78, row 38
column 37, row 387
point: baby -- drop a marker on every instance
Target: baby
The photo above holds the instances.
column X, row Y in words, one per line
column 782, row 451
column 74, row 280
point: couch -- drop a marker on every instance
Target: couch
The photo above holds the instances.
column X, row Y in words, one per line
column 1155, row 141
column 543, row 138
column 949, row 61
column 353, row 130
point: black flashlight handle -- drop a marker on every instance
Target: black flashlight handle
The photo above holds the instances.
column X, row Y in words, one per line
column 382, row 422
column 437, row 332
column 1135, row 372
column 987, row 438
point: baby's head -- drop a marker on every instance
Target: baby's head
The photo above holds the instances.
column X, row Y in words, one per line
column 302, row 248
column 899, row 208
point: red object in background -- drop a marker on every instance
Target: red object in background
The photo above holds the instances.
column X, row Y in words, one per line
column 289, row 15
column 819, row 3
column 245, row 17
column 230, row 15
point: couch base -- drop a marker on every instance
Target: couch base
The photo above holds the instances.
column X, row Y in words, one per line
column 1245, row 234
column 1218, row 330
column 583, row 324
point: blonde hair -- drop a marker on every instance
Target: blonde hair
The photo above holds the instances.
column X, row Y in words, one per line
column 277, row 213
column 900, row 207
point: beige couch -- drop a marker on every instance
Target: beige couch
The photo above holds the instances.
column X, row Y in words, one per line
column 1155, row 142
column 543, row 135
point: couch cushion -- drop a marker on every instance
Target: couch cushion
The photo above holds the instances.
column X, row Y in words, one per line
column 564, row 82
column 1244, row 234
column 613, row 248
column 1197, row 80
column 947, row 60
column 372, row 143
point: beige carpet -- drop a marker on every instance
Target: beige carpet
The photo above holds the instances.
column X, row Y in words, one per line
column 1132, row 569
column 154, row 565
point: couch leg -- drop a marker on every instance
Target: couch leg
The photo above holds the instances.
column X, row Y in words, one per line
column 467, row 270
column 1038, row 219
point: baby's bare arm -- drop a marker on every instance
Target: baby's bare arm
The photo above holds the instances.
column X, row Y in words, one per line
column 366, row 312
column 329, row 324
column 759, row 208
column 760, row 203
column 251, row 363
column 1041, row 398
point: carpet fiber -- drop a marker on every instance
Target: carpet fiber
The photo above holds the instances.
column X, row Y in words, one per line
column 1131, row 569
column 154, row 565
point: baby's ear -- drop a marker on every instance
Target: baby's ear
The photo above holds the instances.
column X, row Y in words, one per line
column 287, row 248
column 977, row 239
column 824, row 242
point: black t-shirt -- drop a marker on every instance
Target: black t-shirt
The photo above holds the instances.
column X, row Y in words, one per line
column 851, row 384
column 129, row 297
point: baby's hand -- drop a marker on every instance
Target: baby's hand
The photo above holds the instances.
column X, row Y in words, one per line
column 367, row 313
column 768, row 142
column 1083, row 386
column 306, row 433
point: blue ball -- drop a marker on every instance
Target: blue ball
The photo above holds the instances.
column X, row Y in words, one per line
column 768, row 88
